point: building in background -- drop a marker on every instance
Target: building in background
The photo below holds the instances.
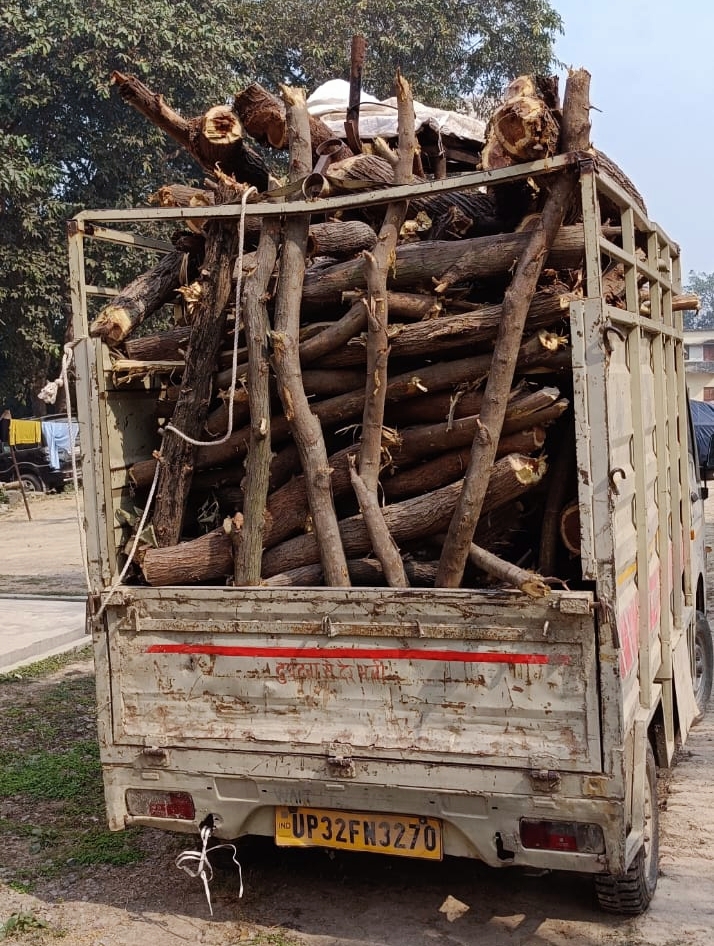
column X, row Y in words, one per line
column 699, row 364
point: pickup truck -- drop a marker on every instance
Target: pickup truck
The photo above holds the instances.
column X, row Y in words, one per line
column 425, row 722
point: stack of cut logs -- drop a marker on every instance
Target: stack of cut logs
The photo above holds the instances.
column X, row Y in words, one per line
column 400, row 411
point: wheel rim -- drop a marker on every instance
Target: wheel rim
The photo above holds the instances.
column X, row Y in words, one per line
column 647, row 846
column 698, row 666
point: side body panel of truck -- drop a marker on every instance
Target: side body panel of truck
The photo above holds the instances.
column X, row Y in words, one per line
column 486, row 716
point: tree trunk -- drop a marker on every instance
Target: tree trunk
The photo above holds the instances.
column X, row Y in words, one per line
column 257, row 331
column 177, row 455
column 305, row 427
column 340, row 238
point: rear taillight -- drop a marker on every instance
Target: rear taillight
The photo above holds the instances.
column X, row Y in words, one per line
column 146, row 803
column 562, row 836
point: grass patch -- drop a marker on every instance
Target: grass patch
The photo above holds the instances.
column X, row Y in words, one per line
column 42, row 668
column 50, row 778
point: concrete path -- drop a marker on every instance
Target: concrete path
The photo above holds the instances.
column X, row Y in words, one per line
column 33, row 627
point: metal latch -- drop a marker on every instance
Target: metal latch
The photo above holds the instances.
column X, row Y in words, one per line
column 339, row 760
column 545, row 781
column 157, row 754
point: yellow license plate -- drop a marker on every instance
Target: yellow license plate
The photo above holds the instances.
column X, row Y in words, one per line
column 402, row 835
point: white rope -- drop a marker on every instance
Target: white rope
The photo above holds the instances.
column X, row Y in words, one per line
column 234, row 366
column 203, row 868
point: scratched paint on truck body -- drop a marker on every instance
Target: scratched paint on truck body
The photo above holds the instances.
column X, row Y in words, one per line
column 462, row 685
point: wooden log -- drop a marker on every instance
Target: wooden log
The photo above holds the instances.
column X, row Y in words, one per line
column 449, row 262
column 366, row 481
column 210, row 557
column 263, row 117
column 304, row 425
column 247, row 564
column 340, row 238
column 524, row 124
column 212, row 139
column 405, row 306
column 438, row 337
column 162, row 346
column 363, row 571
column 505, row 356
column 412, row 519
column 530, row 583
column 140, row 299
column 177, row 454
column 570, row 527
column 287, row 510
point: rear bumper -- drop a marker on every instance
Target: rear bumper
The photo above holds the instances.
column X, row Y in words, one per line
column 477, row 824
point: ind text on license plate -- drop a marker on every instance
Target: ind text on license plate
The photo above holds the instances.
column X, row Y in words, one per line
column 405, row 836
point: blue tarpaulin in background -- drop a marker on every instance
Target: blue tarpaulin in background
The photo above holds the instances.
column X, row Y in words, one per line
column 703, row 418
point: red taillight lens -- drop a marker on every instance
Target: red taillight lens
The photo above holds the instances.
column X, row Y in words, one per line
column 152, row 804
column 562, row 836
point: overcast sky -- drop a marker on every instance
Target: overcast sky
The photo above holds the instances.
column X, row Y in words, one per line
column 652, row 67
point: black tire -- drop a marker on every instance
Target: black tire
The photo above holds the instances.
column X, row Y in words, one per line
column 631, row 893
column 703, row 672
column 32, row 483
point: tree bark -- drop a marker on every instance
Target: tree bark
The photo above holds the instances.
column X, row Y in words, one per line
column 439, row 337
column 257, row 331
column 515, row 309
column 340, row 238
column 305, row 427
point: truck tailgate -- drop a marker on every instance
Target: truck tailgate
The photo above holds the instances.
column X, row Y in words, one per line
column 455, row 676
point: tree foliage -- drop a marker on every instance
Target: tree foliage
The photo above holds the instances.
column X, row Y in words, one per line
column 68, row 142
column 703, row 285
column 447, row 50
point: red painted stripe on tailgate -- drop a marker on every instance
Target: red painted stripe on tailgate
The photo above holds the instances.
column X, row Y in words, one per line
column 356, row 653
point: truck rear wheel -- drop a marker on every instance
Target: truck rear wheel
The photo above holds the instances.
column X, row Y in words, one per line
column 703, row 662
column 631, row 893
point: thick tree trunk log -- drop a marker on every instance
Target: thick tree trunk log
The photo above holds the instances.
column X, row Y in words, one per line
column 164, row 346
column 212, row 139
column 177, row 455
column 305, row 427
column 263, row 117
column 340, row 238
column 515, row 309
column 418, row 264
column 140, row 299
column 247, row 566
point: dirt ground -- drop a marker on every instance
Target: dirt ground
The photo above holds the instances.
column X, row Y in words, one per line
column 313, row 897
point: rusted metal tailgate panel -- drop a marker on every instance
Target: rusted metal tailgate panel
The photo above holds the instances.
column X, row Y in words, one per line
column 392, row 674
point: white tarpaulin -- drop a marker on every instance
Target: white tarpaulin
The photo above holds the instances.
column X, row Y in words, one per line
column 329, row 102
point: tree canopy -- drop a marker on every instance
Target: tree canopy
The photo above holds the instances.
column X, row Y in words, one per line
column 703, row 285
column 68, row 142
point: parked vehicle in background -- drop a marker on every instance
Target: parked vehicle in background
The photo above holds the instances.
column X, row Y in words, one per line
column 42, row 468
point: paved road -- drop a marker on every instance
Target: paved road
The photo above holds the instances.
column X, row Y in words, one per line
column 34, row 627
